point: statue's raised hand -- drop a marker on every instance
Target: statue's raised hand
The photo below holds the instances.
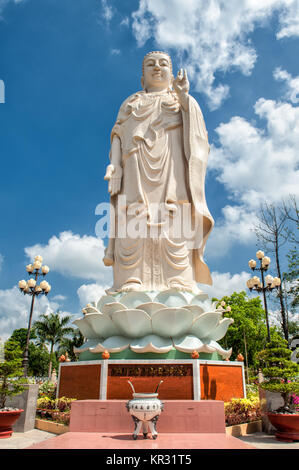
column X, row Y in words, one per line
column 114, row 176
column 181, row 83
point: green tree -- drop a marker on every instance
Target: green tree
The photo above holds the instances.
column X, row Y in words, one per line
column 52, row 329
column 38, row 355
column 68, row 344
column 11, row 371
column 272, row 232
column 248, row 333
column 20, row 335
column 280, row 373
column 292, row 276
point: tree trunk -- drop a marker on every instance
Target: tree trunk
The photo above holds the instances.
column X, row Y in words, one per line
column 50, row 363
column 280, row 296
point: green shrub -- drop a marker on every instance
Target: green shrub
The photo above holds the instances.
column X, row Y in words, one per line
column 280, row 373
column 57, row 410
column 242, row 410
column 47, row 389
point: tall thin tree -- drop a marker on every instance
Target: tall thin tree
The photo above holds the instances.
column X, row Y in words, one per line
column 271, row 231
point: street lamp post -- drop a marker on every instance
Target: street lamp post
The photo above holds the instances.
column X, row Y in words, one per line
column 31, row 288
column 267, row 283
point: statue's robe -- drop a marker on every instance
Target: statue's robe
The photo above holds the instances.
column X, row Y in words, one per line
column 164, row 158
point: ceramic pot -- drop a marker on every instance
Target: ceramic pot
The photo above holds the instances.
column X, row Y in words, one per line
column 145, row 409
column 7, row 419
column 287, row 426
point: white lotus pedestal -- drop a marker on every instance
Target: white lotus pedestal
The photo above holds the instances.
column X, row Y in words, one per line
column 152, row 336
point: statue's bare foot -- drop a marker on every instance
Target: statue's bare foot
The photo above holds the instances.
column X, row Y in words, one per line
column 131, row 286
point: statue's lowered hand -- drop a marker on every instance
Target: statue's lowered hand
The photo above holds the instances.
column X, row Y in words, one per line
column 114, row 176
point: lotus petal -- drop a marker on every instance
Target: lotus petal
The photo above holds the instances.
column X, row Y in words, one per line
column 151, row 343
column 151, row 307
column 91, row 343
column 199, row 299
column 105, row 299
column 101, row 324
column 220, row 331
column 171, row 298
column 195, row 309
column 133, row 299
column 169, row 322
column 187, row 344
column 91, row 309
column 205, row 323
column 108, row 309
column 214, row 346
column 85, row 328
column 133, row 323
column 112, row 344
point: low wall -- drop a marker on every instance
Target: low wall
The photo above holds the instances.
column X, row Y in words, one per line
column 178, row 416
column 182, row 379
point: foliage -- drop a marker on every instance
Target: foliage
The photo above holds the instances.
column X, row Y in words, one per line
column 47, row 389
column 292, row 277
column 11, row 371
column 280, row 373
column 68, row 344
column 52, row 329
column 39, row 359
column 242, row 410
column 38, row 354
column 57, row 410
column 252, row 391
column 20, row 335
column 249, row 324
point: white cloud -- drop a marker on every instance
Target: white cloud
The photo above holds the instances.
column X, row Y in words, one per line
column 226, row 284
column 289, row 20
column 255, row 165
column 125, row 21
column 291, row 84
column 3, row 4
column 211, row 36
column 107, row 11
column 88, row 293
column 15, row 308
column 72, row 255
column 115, row 51
column 234, row 226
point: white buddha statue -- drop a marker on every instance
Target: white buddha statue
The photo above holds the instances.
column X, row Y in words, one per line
column 158, row 158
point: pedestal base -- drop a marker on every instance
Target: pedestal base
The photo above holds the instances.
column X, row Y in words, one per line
column 179, row 416
column 182, row 379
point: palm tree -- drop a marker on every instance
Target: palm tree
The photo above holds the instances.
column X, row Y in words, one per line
column 52, row 328
column 67, row 344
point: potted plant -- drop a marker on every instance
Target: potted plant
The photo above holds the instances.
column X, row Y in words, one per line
column 10, row 385
column 281, row 376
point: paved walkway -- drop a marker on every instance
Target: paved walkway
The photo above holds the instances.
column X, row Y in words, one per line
column 37, row 439
column 21, row 440
column 111, row 441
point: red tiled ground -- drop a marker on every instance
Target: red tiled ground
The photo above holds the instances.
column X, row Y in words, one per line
column 94, row 440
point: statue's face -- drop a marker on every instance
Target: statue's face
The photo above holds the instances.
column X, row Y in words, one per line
column 157, row 71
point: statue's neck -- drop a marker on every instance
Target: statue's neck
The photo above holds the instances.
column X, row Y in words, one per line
column 156, row 90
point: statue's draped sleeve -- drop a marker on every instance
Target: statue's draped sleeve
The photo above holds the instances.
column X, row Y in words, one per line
column 197, row 150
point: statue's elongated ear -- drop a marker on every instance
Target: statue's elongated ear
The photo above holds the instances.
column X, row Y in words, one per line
column 142, row 82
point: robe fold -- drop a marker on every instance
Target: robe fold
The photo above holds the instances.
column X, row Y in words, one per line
column 164, row 157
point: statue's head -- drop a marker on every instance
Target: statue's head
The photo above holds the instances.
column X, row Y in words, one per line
column 157, row 71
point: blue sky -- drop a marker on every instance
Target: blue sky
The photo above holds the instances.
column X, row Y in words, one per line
column 68, row 64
